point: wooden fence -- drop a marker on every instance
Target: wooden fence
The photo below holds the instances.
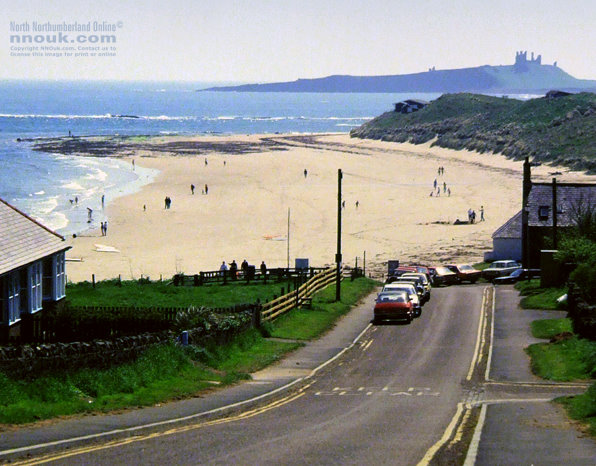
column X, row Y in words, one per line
column 251, row 275
column 302, row 295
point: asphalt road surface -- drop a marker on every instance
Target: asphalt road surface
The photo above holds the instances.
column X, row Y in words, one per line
column 385, row 401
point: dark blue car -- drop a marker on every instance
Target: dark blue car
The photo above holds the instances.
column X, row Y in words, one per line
column 517, row 275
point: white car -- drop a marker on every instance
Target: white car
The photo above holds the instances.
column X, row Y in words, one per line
column 500, row 269
column 408, row 288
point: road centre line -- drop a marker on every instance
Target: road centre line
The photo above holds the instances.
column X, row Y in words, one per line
column 472, row 453
column 425, row 461
column 175, row 430
column 479, row 337
column 492, row 337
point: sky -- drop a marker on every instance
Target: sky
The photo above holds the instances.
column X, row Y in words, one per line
column 282, row 40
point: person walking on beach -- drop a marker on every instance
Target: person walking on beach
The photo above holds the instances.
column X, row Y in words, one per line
column 435, row 184
column 192, row 188
column 438, row 191
column 263, row 269
column 206, row 189
column 206, row 161
column 89, row 215
column 357, row 204
column 444, row 187
column 305, row 173
column 470, row 215
column 448, row 192
column 223, row 268
column 482, row 213
column 103, row 199
column 101, row 229
column 133, row 165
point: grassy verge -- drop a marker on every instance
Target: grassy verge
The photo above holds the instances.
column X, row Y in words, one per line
column 583, row 408
column 548, row 328
column 535, row 297
column 169, row 372
column 306, row 324
column 151, row 294
column 565, row 360
column 162, row 373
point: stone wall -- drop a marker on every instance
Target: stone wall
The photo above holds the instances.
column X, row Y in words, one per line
column 28, row 360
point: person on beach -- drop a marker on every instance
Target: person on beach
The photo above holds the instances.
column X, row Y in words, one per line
column 305, row 173
column 482, row 213
column 223, row 268
column 206, row 189
column 206, row 161
column 224, row 163
column 103, row 199
column 473, row 217
column 101, row 229
column 133, row 165
column 470, row 215
column 192, row 189
column 444, row 187
column 357, row 204
column 448, row 192
column 105, row 228
column 263, row 269
column 76, row 199
column 144, row 207
column 435, row 184
column 343, row 204
column 438, row 191
column 89, row 215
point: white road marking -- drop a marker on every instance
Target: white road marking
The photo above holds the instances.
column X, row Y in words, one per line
column 473, row 448
column 479, row 337
column 492, row 337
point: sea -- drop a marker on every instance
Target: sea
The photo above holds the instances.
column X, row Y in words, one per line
column 57, row 189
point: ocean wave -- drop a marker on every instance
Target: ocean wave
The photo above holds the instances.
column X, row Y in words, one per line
column 182, row 117
column 73, row 185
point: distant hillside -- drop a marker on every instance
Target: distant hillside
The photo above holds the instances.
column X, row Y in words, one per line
column 522, row 77
column 560, row 130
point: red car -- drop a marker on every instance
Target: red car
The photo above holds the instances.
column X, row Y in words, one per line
column 465, row 272
column 393, row 306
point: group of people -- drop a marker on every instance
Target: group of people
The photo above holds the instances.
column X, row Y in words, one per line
column 205, row 190
column 104, row 228
column 233, row 268
column 472, row 215
column 437, row 187
column 167, row 202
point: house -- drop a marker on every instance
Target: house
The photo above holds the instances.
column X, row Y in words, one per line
column 530, row 230
column 507, row 240
column 32, row 273
column 568, row 198
column 410, row 105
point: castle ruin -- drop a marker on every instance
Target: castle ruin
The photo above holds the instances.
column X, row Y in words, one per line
column 522, row 62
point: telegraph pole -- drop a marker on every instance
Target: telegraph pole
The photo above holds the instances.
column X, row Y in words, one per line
column 338, row 254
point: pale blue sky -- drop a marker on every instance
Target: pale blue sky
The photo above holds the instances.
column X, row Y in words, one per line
column 275, row 40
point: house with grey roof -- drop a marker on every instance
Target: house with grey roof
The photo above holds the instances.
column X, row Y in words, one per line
column 32, row 273
column 546, row 208
column 569, row 199
column 507, row 240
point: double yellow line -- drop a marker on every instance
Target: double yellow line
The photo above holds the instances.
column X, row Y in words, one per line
column 176, row 430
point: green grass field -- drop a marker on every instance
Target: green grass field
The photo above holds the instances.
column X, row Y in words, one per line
column 160, row 294
column 535, row 297
column 168, row 372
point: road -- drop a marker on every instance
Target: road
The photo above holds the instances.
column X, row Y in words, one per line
column 387, row 400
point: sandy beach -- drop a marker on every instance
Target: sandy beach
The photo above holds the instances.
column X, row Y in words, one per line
column 245, row 212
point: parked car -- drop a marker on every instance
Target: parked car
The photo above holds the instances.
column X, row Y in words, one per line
column 398, row 272
column 443, row 276
column 425, row 282
column 465, row 272
column 393, row 306
column 408, row 288
column 423, row 293
column 500, row 269
column 517, row 275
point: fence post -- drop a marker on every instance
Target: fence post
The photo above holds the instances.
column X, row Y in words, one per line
column 93, row 279
column 256, row 315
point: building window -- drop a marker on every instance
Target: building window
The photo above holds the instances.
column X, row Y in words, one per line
column 13, row 297
column 543, row 212
column 59, row 262
column 35, row 277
